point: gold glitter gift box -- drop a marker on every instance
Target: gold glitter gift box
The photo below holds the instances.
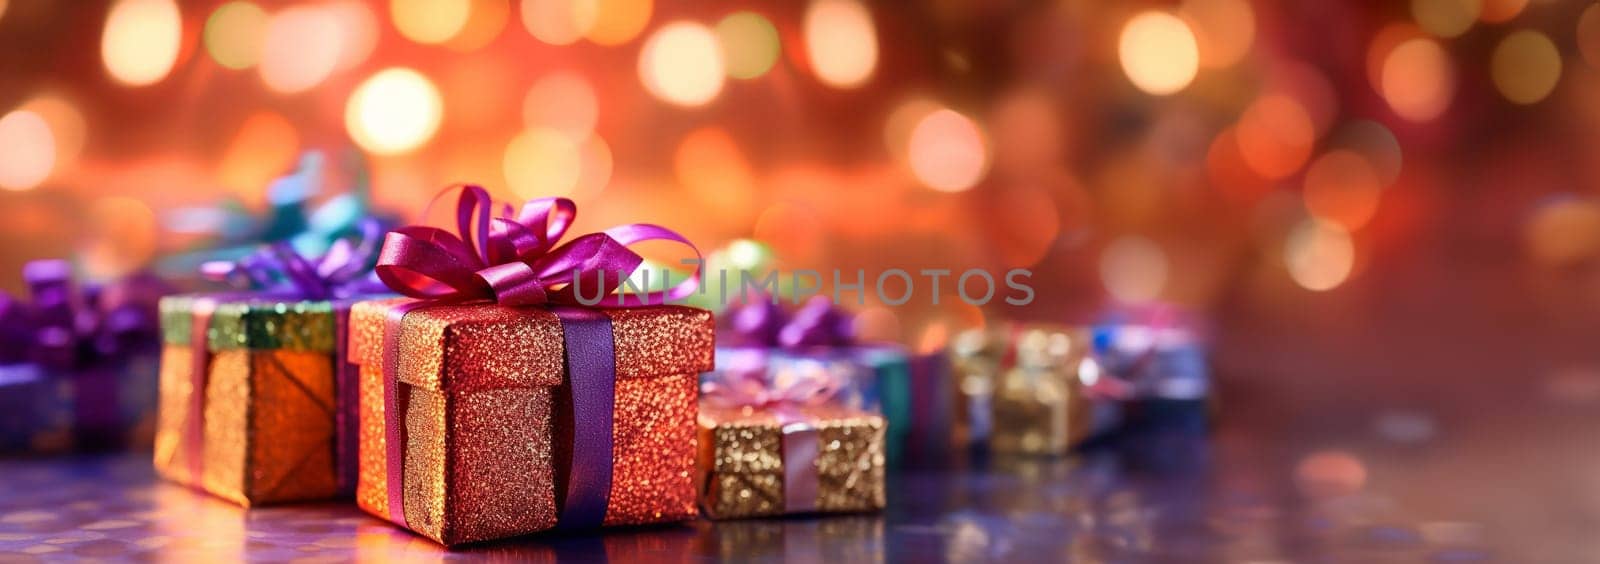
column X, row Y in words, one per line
column 817, row 459
column 468, row 416
column 1022, row 389
column 249, row 399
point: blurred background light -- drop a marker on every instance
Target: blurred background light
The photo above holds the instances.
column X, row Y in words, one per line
column 141, row 40
column 557, row 22
column 1026, row 123
column 710, row 164
column 750, row 44
column 1564, row 231
column 1223, row 29
column 1501, row 11
column 67, row 126
column 3, row 5
column 429, row 21
column 1525, row 66
column 1319, row 254
column 562, row 101
column 264, row 147
column 681, row 64
column 1342, row 187
column 394, row 111
column 1446, row 18
column 841, row 42
column 358, row 27
column 302, row 48
column 1589, row 35
column 121, row 237
column 542, row 162
column 947, row 151
column 1133, row 269
column 485, row 20
column 27, row 150
column 901, row 121
column 595, row 165
column 1275, row 136
column 1418, row 79
column 1376, row 143
column 613, row 22
column 234, row 34
column 1158, row 53
column 1330, row 474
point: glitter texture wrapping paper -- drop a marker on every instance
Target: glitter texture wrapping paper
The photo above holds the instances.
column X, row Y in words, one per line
column 265, row 412
column 487, row 425
column 1020, row 390
column 742, row 463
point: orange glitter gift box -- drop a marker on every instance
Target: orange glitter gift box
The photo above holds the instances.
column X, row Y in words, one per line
column 470, row 415
column 250, row 399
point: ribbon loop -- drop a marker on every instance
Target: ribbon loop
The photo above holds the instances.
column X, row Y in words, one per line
column 762, row 322
column 519, row 259
column 343, row 271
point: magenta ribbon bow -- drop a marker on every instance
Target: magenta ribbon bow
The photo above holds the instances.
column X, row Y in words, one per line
column 762, row 322
column 518, row 258
column 342, row 272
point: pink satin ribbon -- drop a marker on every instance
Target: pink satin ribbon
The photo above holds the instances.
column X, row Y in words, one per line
column 519, row 259
column 200, row 366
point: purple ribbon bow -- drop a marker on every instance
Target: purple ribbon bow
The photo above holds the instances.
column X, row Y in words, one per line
column 66, row 327
column 762, row 322
column 346, row 270
column 518, row 258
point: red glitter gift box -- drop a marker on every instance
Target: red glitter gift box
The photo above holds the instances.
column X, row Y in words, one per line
column 472, row 427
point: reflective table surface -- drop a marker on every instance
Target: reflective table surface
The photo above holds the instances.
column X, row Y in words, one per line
column 1425, row 441
column 1228, row 495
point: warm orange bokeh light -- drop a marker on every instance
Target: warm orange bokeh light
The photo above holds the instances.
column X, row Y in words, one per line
column 234, row 33
column 1133, row 269
column 1223, row 29
column 302, row 49
column 1525, row 66
column 613, row 22
column 394, row 111
column 542, row 162
column 1158, row 53
column 1319, row 254
column 1343, row 188
column 1418, row 80
column 841, row 42
column 710, row 164
column 1501, row 11
column 948, row 152
column 27, row 150
column 67, row 125
column 682, row 64
column 1275, row 136
column 141, row 40
column 430, row 21
column 562, row 100
column 265, row 146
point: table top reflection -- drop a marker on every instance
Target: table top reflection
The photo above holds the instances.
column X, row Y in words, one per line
column 1157, row 496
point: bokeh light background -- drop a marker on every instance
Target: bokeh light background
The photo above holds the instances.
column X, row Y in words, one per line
column 1412, row 180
